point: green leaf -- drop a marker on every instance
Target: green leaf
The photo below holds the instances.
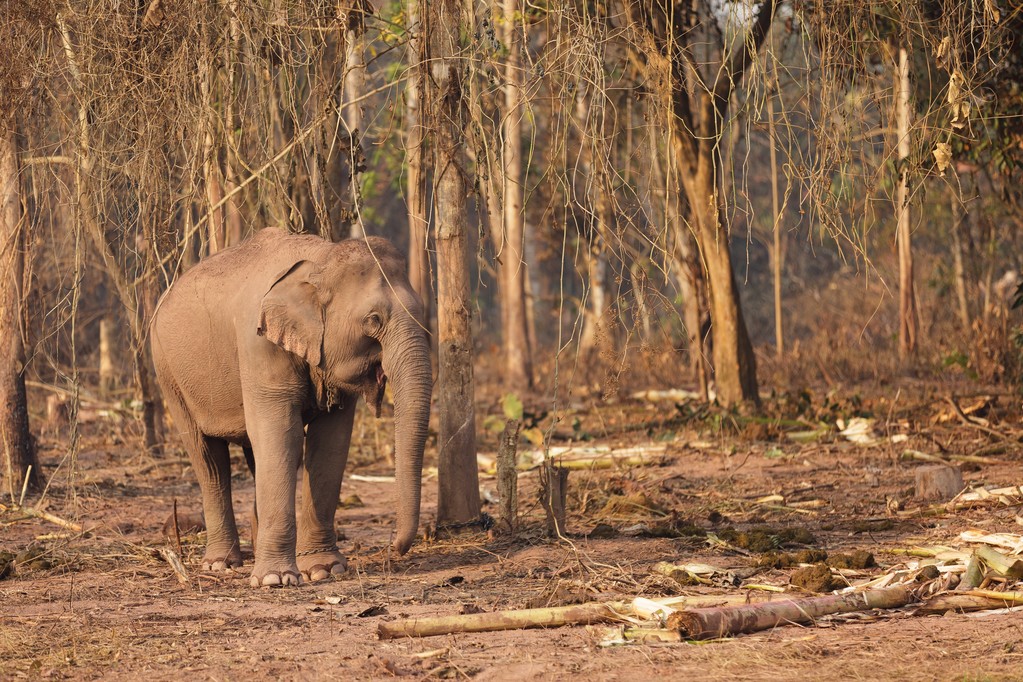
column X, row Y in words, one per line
column 493, row 423
column 512, row 406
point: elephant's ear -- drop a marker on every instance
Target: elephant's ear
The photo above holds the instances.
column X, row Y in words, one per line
column 291, row 314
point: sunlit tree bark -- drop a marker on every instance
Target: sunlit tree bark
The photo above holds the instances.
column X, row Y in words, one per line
column 518, row 356
column 908, row 320
column 458, row 499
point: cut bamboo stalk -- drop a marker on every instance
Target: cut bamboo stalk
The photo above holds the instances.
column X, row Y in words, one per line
column 974, row 600
column 650, row 609
column 1011, row 598
column 734, row 620
column 521, row 619
column 606, row 462
column 651, row 635
column 999, row 563
column 580, row 614
column 52, row 518
column 175, row 563
column 973, row 576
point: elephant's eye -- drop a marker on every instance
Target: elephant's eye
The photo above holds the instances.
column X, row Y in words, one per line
column 372, row 324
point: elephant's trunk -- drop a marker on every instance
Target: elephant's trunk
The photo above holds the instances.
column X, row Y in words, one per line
column 406, row 362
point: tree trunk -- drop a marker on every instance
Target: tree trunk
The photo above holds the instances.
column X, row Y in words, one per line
column 638, row 280
column 233, row 212
column 458, row 499
column 354, row 86
column 16, row 446
column 698, row 114
column 908, row 322
column 776, row 253
column 958, row 266
column 593, row 197
column 735, row 370
column 596, row 270
column 688, row 271
column 418, row 220
column 518, row 357
column 689, row 276
column 216, row 225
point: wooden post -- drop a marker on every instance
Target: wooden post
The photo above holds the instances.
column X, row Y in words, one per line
column 553, row 491
column 939, row 483
column 508, row 476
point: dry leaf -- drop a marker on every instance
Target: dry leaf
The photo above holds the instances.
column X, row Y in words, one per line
column 944, row 51
column 942, row 156
column 992, row 10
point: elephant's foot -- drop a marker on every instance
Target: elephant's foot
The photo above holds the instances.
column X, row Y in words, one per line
column 322, row 565
column 275, row 574
column 222, row 560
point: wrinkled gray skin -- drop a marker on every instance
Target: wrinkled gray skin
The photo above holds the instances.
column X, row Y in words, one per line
column 268, row 345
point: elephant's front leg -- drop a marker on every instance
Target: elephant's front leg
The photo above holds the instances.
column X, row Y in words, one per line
column 326, row 454
column 276, row 433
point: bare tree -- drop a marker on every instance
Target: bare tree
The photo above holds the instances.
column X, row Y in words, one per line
column 354, row 86
column 908, row 322
column 518, row 355
column 415, row 153
column 15, row 440
column 701, row 69
column 958, row 264
column 458, row 500
column 776, row 251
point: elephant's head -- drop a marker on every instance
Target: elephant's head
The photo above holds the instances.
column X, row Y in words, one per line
column 352, row 315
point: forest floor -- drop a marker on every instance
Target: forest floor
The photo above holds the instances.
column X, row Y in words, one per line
column 103, row 604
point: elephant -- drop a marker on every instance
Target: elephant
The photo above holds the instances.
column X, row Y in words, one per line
column 268, row 345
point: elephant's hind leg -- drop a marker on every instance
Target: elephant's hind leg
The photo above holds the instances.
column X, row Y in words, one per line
column 213, row 468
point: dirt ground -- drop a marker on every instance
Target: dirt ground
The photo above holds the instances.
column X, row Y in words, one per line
column 102, row 604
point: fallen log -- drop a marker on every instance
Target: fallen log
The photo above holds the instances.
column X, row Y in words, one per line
column 521, row 619
column 734, row 620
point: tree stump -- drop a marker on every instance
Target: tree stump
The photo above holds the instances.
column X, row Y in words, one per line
column 938, row 483
column 508, row 476
column 554, row 488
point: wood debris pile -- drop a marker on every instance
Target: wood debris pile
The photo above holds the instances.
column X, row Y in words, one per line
column 985, row 573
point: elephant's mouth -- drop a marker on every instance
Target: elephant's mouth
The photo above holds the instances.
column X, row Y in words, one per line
column 373, row 388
